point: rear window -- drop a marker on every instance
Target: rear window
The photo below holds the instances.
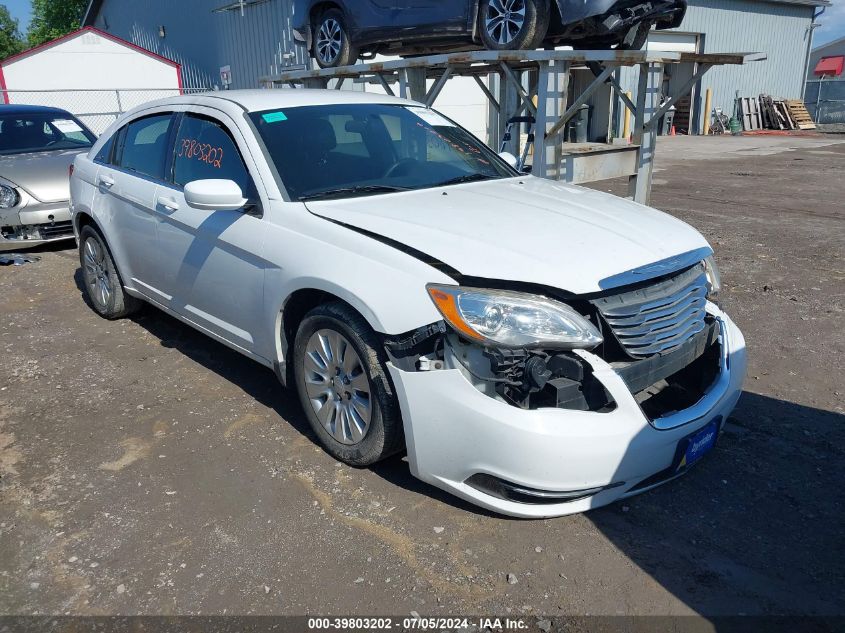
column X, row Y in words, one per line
column 145, row 145
column 42, row 132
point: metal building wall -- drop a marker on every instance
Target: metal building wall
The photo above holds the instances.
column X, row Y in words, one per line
column 779, row 30
column 202, row 40
column 831, row 49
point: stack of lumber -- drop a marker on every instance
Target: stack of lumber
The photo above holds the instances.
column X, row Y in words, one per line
column 775, row 114
column 767, row 113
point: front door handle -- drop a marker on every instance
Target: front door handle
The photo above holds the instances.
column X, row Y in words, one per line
column 107, row 181
column 168, row 203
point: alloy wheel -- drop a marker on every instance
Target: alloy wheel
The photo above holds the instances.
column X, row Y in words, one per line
column 329, row 41
column 97, row 272
column 337, row 386
column 504, row 20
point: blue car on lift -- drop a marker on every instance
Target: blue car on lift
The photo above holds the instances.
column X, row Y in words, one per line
column 337, row 32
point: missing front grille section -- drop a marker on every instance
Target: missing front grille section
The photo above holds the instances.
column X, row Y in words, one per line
column 534, row 380
column 682, row 389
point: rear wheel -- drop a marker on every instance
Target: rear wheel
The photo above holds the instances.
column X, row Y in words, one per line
column 343, row 386
column 101, row 279
column 332, row 46
column 635, row 38
column 512, row 24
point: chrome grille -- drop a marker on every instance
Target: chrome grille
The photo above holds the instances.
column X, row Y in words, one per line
column 659, row 317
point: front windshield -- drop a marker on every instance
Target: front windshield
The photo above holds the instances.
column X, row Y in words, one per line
column 344, row 150
column 42, row 132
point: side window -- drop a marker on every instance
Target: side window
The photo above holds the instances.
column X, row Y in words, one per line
column 145, row 145
column 104, row 155
column 204, row 149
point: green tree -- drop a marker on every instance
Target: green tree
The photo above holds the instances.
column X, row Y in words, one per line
column 10, row 37
column 54, row 18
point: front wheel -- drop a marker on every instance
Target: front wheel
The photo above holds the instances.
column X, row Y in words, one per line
column 512, row 24
column 332, row 44
column 343, row 385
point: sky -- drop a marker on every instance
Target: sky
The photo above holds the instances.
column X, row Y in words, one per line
column 21, row 10
column 832, row 20
column 832, row 24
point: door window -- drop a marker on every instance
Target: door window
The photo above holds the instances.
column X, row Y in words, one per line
column 145, row 145
column 104, row 155
column 205, row 149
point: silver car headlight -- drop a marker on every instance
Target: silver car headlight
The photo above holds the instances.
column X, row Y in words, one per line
column 513, row 319
column 713, row 277
column 8, row 197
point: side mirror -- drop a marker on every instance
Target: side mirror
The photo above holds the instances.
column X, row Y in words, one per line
column 510, row 159
column 214, row 195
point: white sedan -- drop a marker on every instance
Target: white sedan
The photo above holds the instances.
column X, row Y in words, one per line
column 536, row 348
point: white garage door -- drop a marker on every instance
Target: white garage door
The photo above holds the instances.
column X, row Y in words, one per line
column 672, row 42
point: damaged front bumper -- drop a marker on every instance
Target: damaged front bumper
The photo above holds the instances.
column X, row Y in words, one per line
column 551, row 462
column 33, row 224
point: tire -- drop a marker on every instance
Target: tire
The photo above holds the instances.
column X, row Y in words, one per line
column 332, row 46
column 512, row 24
column 102, row 284
column 331, row 386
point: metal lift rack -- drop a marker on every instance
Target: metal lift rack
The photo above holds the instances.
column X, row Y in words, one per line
column 543, row 77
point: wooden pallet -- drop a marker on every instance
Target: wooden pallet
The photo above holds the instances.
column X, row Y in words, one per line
column 749, row 110
column 775, row 114
column 799, row 114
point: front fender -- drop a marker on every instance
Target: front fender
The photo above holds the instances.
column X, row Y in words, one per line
column 301, row 22
column 385, row 285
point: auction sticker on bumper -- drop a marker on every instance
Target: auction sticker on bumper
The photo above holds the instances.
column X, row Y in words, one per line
column 695, row 446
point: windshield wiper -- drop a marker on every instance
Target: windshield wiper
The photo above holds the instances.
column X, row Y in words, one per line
column 351, row 191
column 465, row 178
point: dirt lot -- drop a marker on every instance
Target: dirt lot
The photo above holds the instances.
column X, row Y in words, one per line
column 146, row 469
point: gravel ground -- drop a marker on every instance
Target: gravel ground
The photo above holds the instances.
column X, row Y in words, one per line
column 148, row 470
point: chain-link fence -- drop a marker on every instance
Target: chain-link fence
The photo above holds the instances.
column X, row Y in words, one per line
column 96, row 108
column 825, row 100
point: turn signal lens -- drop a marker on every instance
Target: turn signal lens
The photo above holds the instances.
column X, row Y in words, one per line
column 447, row 304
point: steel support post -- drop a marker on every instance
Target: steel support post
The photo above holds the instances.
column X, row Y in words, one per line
column 645, row 137
column 509, row 106
column 552, row 95
column 412, row 84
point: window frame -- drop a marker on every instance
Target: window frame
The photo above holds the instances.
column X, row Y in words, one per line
column 119, row 144
column 254, row 206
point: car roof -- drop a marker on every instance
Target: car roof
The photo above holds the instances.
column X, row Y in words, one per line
column 269, row 99
column 15, row 108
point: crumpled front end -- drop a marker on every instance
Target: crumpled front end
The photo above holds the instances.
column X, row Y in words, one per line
column 537, row 433
column 31, row 222
column 554, row 461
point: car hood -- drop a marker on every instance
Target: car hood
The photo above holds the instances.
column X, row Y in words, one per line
column 523, row 229
column 43, row 175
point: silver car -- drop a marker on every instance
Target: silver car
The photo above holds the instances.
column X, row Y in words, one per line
column 37, row 148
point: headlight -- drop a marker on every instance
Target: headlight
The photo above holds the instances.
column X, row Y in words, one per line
column 513, row 319
column 713, row 277
column 8, row 197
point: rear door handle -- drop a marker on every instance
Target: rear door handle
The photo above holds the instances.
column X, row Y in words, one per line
column 168, row 203
column 107, row 181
